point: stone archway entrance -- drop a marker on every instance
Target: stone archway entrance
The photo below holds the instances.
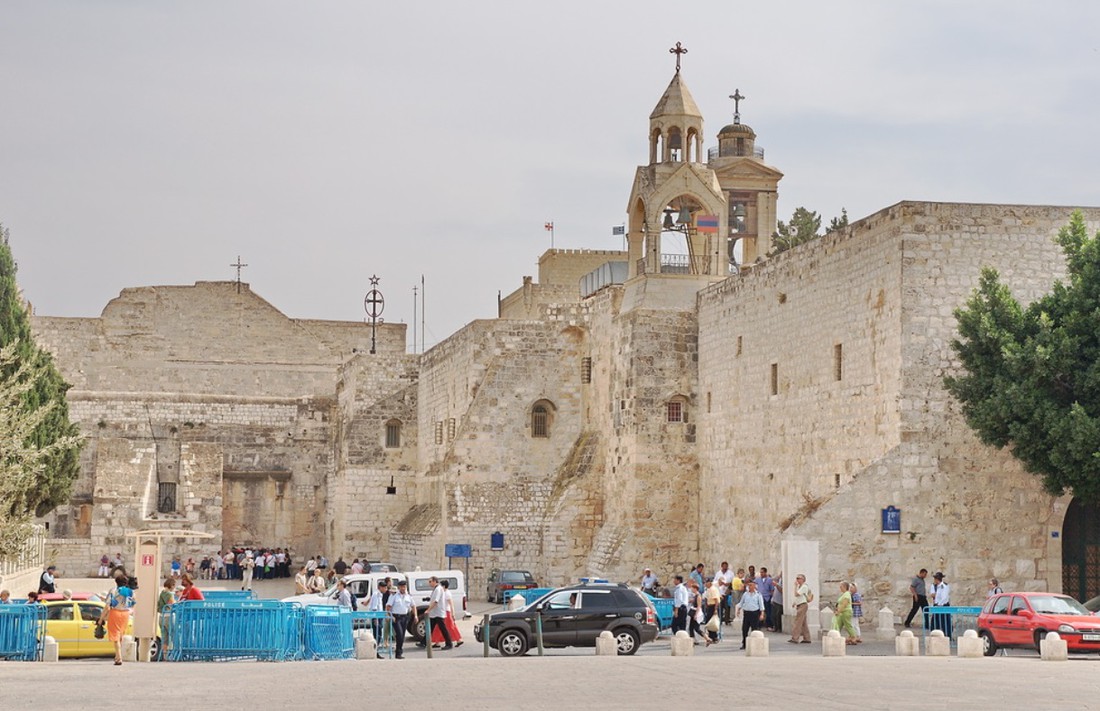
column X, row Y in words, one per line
column 1081, row 551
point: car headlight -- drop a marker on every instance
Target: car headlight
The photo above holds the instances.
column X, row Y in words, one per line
column 1066, row 628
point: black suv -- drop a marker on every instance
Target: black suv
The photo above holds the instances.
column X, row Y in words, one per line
column 574, row 616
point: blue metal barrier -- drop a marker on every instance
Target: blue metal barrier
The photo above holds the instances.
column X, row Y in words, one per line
column 952, row 621
column 201, row 630
column 328, row 632
column 665, row 611
column 22, row 628
column 223, row 595
column 528, row 595
column 381, row 625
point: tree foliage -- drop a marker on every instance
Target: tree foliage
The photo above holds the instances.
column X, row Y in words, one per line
column 805, row 225
column 41, row 398
column 1032, row 375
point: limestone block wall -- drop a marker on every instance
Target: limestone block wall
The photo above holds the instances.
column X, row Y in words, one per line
column 565, row 267
column 799, row 378
column 527, row 302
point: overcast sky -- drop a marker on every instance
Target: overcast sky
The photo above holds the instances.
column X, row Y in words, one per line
column 148, row 143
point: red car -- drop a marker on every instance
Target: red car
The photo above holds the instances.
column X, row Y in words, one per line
column 1022, row 619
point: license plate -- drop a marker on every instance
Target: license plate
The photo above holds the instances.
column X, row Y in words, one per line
column 519, row 587
column 1091, row 637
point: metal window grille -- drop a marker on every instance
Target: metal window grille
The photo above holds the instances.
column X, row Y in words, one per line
column 450, row 428
column 439, row 432
column 393, row 435
column 586, row 370
column 166, row 497
column 838, row 361
column 775, row 379
column 540, row 422
column 675, row 411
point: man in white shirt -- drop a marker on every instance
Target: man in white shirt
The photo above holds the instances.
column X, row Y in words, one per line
column 437, row 613
column 680, row 601
column 941, row 597
column 722, row 580
column 802, row 598
column 649, row 582
column 400, row 607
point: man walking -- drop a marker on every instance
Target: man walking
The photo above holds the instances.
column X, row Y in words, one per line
column 400, row 607
column 802, row 599
column 437, row 614
column 752, row 611
column 680, row 598
column 941, row 597
column 766, row 586
column 920, row 595
column 722, row 579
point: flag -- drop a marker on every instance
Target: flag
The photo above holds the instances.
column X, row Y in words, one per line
column 618, row 230
column 549, row 226
column 706, row 223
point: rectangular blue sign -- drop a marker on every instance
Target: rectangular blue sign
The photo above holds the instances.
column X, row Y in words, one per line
column 457, row 550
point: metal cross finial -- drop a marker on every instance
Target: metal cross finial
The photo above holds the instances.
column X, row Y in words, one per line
column 239, row 266
column 374, row 304
column 737, row 99
column 678, row 50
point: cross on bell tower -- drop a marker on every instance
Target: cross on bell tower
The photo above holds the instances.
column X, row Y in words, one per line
column 678, row 50
column 737, row 99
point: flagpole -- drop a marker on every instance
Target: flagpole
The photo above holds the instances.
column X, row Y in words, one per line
column 423, row 309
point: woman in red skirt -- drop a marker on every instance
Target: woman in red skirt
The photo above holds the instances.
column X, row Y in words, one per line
column 449, row 620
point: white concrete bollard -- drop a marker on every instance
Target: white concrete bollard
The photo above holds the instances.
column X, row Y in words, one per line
column 833, row 645
column 937, row 645
column 884, row 623
column 605, row 645
column 906, row 644
column 1053, row 648
column 516, row 602
column 970, row 646
column 50, row 649
column 682, row 645
column 826, row 621
column 365, row 646
column 129, row 648
column 757, row 645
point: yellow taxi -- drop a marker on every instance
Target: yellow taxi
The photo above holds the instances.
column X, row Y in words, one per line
column 72, row 624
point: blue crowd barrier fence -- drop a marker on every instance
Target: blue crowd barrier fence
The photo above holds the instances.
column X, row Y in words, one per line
column 328, row 632
column 528, row 595
column 381, row 626
column 952, row 621
column 22, row 629
column 223, row 595
column 665, row 611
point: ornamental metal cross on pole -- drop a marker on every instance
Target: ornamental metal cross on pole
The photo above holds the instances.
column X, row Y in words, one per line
column 737, row 99
column 239, row 266
column 374, row 305
column 678, row 50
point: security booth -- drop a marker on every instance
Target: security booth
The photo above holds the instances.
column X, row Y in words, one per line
column 147, row 570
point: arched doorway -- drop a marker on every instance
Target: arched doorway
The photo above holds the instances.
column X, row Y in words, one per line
column 1081, row 551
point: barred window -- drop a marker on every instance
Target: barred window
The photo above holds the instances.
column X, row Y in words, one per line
column 675, row 410
column 393, row 434
column 542, row 418
column 166, row 497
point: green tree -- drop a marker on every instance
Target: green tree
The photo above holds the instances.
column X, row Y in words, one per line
column 803, row 227
column 1032, row 375
column 25, row 463
column 838, row 222
column 42, row 398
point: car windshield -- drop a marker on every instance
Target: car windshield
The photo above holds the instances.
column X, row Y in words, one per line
column 1058, row 605
column 511, row 576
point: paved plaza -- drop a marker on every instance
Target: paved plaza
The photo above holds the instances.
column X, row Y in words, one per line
column 794, row 676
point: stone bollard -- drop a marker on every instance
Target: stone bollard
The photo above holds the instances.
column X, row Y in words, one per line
column 516, row 602
column 757, row 645
column 129, row 648
column 833, row 645
column 970, row 646
column 906, row 644
column 884, row 623
column 682, row 646
column 49, row 649
column 605, row 645
column 937, row 645
column 365, row 646
column 1053, row 648
column 826, row 621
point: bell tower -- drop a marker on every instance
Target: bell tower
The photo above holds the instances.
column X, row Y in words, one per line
column 676, row 196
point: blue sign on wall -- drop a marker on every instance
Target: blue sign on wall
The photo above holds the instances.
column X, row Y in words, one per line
column 891, row 520
column 457, row 550
column 497, row 541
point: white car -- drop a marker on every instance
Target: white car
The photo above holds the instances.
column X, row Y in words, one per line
column 361, row 586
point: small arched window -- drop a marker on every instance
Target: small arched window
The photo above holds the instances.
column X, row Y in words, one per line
column 542, row 418
column 393, row 434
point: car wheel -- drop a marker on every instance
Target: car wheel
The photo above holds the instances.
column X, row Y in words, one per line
column 512, row 643
column 418, row 629
column 1040, row 635
column 989, row 645
column 626, row 641
column 154, row 649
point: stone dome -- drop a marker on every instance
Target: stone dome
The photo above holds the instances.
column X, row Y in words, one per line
column 736, row 129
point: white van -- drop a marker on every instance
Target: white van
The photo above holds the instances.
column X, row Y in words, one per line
column 421, row 591
column 361, row 586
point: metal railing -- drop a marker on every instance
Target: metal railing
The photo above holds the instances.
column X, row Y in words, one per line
column 676, row 264
column 952, row 621
column 713, row 153
column 30, row 557
column 22, row 631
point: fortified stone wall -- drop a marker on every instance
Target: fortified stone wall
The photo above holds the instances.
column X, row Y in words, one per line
column 565, row 267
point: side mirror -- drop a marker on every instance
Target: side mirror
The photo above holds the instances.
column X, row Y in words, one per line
column 538, row 608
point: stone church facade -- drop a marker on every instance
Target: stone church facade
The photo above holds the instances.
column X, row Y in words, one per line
column 626, row 409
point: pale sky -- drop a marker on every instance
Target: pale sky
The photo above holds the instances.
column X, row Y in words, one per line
column 149, row 143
